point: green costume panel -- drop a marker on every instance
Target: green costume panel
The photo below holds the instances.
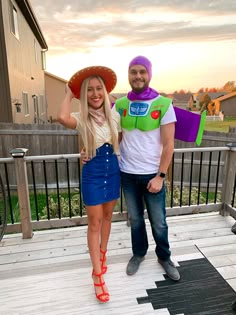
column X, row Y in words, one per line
column 142, row 115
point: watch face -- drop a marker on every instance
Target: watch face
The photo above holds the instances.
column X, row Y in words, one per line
column 162, row 175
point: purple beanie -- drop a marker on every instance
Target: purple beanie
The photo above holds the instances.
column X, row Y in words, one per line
column 141, row 60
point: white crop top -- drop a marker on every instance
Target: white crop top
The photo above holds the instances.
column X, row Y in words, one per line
column 103, row 134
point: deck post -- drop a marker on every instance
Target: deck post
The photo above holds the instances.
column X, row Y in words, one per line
column 229, row 178
column 23, row 192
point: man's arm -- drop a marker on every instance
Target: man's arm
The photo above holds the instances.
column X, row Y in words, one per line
column 167, row 139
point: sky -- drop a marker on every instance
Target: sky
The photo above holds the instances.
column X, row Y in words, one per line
column 191, row 43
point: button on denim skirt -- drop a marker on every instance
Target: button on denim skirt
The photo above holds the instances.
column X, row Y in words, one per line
column 101, row 177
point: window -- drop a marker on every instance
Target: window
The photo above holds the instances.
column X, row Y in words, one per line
column 25, row 103
column 42, row 104
column 36, row 108
column 35, row 52
column 14, row 21
column 43, row 56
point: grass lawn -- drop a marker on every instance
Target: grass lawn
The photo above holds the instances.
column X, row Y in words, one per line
column 41, row 201
column 220, row 126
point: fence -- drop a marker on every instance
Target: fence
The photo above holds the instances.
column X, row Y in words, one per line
column 38, row 139
column 55, row 139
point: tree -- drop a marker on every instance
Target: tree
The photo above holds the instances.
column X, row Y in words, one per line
column 230, row 86
column 204, row 101
column 212, row 90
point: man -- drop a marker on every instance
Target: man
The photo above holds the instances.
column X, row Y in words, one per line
column 148, row 128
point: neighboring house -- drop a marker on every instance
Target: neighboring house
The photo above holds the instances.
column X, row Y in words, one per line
column 22, row 64
column 192, row 105
column 180, row 100
column 116, row 96
column 225, row 104
column 194, row 101
column 55, row 93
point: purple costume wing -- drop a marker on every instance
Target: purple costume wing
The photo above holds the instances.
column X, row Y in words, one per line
column 189, row 126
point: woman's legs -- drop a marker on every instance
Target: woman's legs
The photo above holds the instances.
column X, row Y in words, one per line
column 105, row 232
column 99, row 227
column 95, row 217
column 106, row 223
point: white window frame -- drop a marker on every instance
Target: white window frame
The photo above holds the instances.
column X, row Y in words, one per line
column 43, row 59
column 42, row 104
column 35, row 51
column 14, row 20
column 25, row 99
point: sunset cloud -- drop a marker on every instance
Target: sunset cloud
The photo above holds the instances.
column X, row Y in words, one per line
column 82, row 27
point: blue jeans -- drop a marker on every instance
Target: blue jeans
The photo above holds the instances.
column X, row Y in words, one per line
column 136, row 196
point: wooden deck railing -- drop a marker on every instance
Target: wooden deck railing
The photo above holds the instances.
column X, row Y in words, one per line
column 208, row 172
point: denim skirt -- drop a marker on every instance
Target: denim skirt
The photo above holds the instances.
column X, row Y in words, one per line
column 101, row 177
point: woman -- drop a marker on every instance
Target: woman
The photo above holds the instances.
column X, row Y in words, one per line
column 98, row 126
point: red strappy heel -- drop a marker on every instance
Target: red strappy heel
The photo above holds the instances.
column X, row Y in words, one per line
column 104, row 296
column 103, row 260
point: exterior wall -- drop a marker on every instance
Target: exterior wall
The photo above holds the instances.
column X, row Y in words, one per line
column 179, row 104
column 228, row 106
column 213, row 108
column 5, row 99
column 181, row 100
column 25, row 74
column 193, row 104
column 55, row 93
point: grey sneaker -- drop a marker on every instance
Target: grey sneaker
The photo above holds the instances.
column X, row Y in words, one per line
column 233, row 229
column 170, row 269
column 133, row 265
column 234, row 305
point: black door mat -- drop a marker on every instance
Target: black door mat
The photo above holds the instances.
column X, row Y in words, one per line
column 200, row 291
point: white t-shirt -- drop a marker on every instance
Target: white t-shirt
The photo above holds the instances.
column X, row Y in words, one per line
column 141, row 150
column 103, row 134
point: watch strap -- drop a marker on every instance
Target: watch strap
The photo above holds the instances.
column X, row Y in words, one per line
column 162, row 175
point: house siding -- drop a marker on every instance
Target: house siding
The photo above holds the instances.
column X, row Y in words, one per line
column 228, row 106
column 55, row 93
column 5, row 99
column 25, row 74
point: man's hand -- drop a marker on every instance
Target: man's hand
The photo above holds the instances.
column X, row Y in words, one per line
column 155, row 184
column 83, row 158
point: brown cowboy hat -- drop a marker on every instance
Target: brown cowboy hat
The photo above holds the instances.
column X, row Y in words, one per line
column 108, row 76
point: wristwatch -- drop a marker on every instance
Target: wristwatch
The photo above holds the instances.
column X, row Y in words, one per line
column 162, row 175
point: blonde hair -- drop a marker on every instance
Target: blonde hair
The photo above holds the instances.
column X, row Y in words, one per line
column 89, row 136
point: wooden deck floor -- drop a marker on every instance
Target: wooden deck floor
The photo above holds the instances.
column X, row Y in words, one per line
column 51, row 273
